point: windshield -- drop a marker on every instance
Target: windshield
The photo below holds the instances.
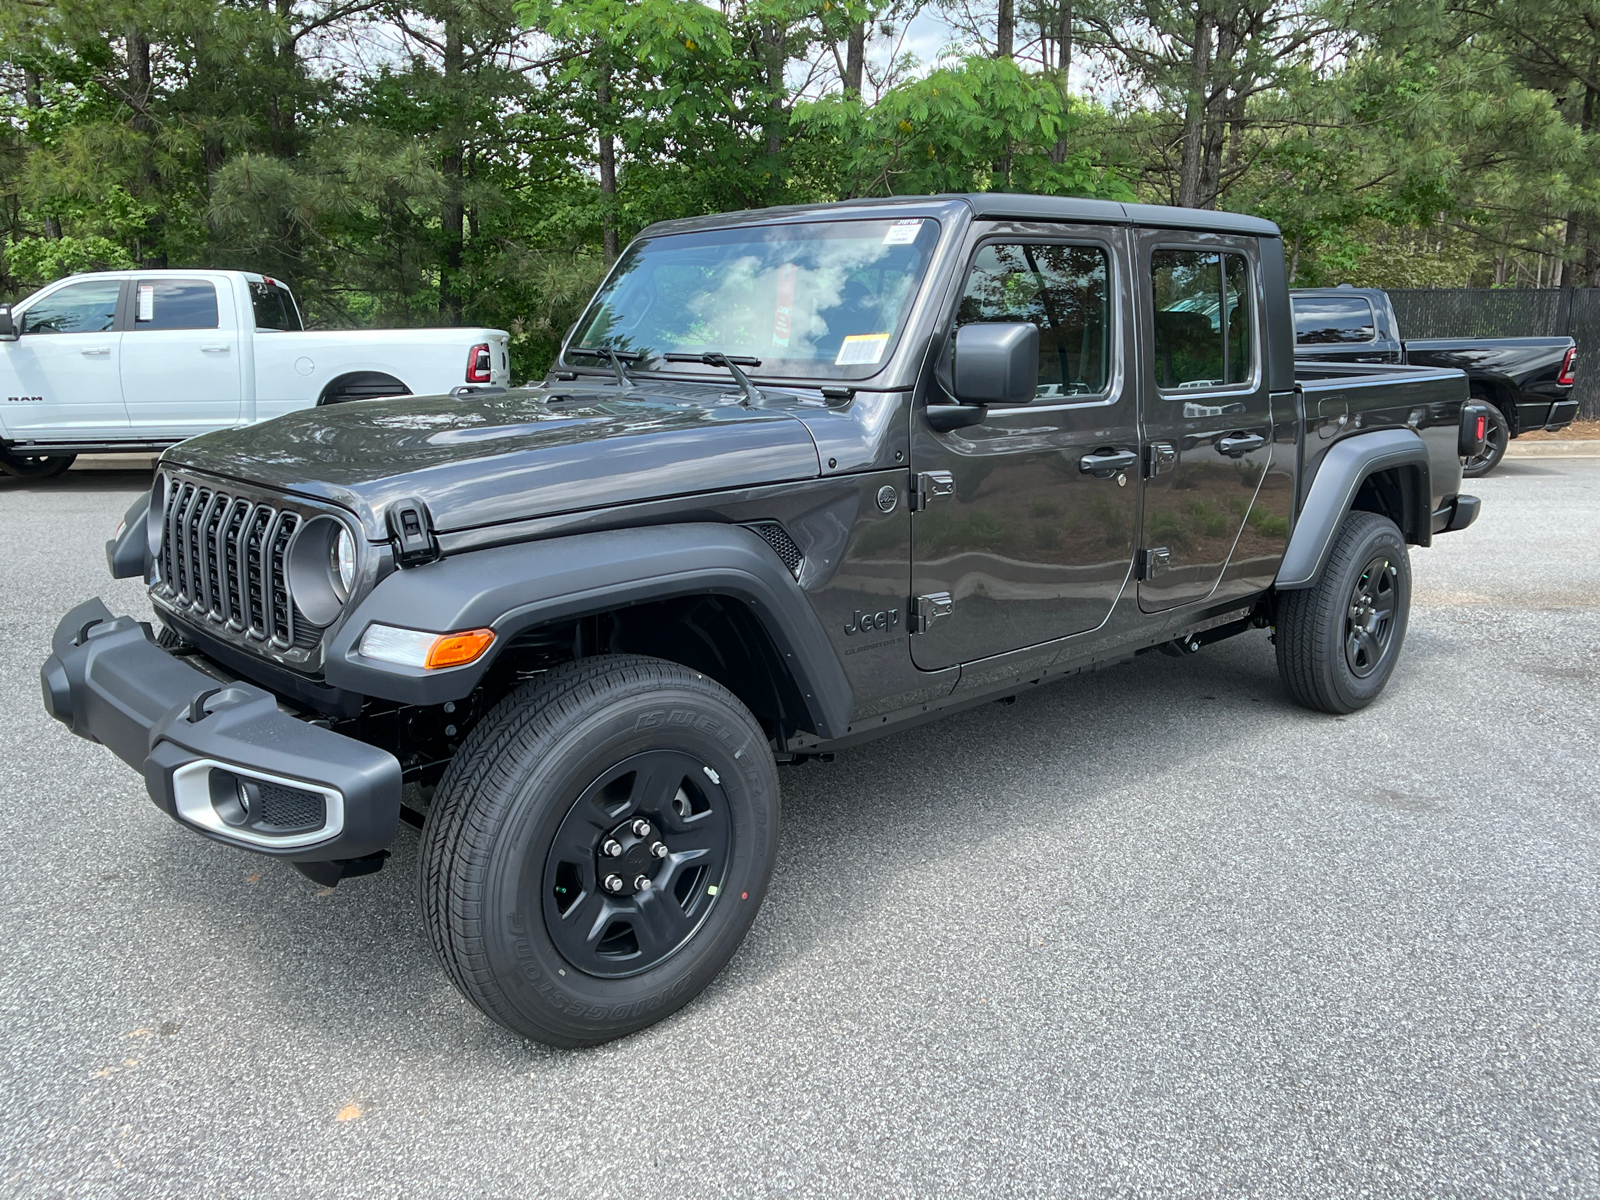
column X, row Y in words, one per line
column 822, row 300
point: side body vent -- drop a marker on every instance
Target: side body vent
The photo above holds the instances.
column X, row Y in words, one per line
column 776, row 536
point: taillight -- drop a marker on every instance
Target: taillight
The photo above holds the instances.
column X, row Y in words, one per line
column 1565, row 378
column 478, row 369
column 1483, row 428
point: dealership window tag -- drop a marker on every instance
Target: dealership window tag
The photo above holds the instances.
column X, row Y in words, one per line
column 147, row 302
column 783, row 308
column 862, row 350
column 902, row 233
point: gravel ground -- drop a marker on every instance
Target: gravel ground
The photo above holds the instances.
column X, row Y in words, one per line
column 1150, row 932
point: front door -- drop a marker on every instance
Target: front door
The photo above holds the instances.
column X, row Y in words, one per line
column 180, row 358
column 1026, row 524
column 60, row 376
column 1208, row 422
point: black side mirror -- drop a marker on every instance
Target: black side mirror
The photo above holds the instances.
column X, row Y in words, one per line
column 997, row 363
column 8, row 326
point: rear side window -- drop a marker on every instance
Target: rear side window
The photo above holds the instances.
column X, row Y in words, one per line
column 1205, row 329
column 1329, row 320
column 1064, row 291
column 174, row 304
column 87, row 307
column 275, row 308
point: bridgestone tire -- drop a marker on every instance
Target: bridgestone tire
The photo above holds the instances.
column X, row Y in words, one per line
column 1314, row 624
column 34, row 466
column 518, row 778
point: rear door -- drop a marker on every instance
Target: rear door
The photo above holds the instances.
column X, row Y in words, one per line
column 60, row 376
column 1015, row 541
column 1208, row 420
column 180, row 357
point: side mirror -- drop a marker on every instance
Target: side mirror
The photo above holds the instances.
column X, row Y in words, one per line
column 8, row 326
column 997, row 363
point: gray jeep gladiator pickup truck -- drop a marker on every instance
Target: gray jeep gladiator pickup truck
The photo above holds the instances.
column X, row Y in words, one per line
column 800, row 477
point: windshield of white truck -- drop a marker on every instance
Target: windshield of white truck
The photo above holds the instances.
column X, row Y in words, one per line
column 824, row 300
column 275, row 307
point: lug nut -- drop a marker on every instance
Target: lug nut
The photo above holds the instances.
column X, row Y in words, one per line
column 659, row 849
column 612, row 848
column 641, row 828
column 642, row 884
column 613, row 883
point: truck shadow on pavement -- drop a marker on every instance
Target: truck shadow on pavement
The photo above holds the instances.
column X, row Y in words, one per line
column 856, row 833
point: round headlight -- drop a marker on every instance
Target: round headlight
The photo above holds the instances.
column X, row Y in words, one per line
column 344, row 563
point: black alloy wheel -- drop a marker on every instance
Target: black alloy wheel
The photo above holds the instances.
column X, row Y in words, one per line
column 34, row 466
column 1369, row 619
column 599, row 847
column 1496, row 437
column 637, row 865
column 1339, row 639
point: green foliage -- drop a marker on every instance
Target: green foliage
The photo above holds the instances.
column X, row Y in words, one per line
column 437, row 161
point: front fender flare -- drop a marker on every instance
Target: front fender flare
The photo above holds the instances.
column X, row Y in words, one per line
column 1345, row 467
column 512, row 588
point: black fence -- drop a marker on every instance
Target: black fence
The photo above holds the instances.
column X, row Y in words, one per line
column 1511, row 312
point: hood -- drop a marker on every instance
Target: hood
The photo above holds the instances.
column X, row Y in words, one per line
column 480, row 460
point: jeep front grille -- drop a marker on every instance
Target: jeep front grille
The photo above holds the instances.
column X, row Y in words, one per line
column 224, row 559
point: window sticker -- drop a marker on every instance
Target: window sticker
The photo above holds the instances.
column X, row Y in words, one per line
column 783, row 311
column 147, row 302
column 862, row 350
column 902, row 233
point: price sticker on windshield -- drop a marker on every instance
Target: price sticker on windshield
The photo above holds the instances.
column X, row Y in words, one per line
column 862, row 350
column 902, row 233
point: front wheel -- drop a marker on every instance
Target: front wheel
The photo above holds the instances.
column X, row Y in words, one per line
column 599, row 847
column 34, row 466
column 1339, row 639
column 1496, row 437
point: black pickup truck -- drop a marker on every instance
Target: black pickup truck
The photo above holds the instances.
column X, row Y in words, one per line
column 800, row 478
column 1525, row 382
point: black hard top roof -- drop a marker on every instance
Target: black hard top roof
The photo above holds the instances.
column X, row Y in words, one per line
column 997, row 206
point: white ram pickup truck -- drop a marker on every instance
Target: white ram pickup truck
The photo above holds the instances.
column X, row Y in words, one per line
column 136, row 360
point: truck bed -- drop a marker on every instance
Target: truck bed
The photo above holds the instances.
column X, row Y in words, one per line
column 1342, row 399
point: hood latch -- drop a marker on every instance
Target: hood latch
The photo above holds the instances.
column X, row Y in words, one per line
column 411, row 532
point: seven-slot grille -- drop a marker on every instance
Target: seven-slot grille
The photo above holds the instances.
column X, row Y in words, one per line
column 224, row 558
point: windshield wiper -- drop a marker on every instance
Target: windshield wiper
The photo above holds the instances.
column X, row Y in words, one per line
column 613, row 356
column 712, row 358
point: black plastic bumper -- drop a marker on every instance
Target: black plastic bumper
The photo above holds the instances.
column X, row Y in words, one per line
column 1457, row 513
column 195, row 738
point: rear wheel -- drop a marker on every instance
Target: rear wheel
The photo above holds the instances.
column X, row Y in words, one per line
column 1339, row 639
column 1496, row 437
column 34, row 466
column 599, row 848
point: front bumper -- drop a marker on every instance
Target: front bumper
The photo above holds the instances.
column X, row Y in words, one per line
column 217, row 756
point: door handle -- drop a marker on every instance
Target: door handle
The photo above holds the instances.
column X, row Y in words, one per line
column 1106, row 462
column 1236, row 444
column 216, row 349
column 96, row 350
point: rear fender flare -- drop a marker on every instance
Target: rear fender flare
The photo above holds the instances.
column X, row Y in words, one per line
column 1346, row 466
column 512, row 588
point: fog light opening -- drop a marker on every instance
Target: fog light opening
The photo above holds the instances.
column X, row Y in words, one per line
column 233, row 797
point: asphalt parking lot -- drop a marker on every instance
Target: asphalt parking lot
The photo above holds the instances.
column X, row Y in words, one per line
column 1150, row 932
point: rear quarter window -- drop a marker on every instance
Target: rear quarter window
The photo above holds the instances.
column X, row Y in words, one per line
column 1332, row 320
column 274, row 306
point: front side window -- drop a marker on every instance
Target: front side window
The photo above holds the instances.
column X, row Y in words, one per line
column 1065, row 291
column 1330, row 320
column 174, row 304
column 87, row 307
column 1204, row 319
column 822, row 300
